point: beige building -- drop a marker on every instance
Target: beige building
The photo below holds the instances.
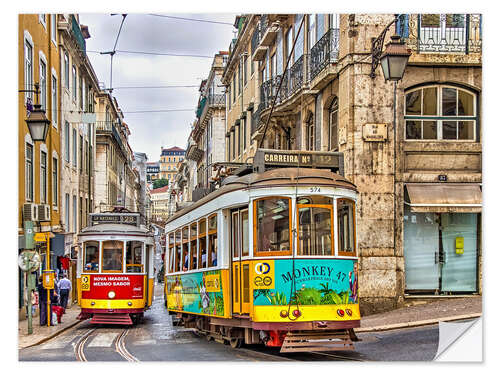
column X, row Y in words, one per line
column 169, row 161
column 159, row 204
column 413, row 149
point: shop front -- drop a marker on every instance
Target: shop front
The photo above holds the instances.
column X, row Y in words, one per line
column 442, row 237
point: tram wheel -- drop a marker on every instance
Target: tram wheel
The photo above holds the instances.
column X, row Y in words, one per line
column 236, row 343
column 208, row 337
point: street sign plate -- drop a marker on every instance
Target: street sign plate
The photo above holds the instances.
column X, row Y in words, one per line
column 40, row 237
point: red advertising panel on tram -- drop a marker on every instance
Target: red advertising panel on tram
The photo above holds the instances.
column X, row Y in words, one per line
column 123, row 286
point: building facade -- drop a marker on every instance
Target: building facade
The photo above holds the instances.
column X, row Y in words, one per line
column 412, row 149
column 169, row 161
column 152, row 172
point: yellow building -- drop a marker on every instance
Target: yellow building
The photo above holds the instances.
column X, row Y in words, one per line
column 39, row 163
column 169, row 161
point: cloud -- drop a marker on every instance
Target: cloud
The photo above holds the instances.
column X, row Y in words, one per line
column 146, row 33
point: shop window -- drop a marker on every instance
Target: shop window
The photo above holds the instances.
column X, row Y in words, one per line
column 91, row 263
column 346, row 227
column 112, row 256
column 440, row 113
column 133, row 256
column 272, row 226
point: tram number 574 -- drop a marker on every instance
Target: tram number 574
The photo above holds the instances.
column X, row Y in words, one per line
column 315, row 189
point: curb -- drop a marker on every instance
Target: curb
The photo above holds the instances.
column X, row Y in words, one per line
column 416, row 323
column 52, row 335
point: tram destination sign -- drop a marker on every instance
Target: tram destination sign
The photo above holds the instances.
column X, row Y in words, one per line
column 115, row 218
column 266, row 158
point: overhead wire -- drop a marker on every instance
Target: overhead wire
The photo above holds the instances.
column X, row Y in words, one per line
column 191, row 19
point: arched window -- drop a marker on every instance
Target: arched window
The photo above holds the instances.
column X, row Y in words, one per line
column 440, row 112
column 310, row 132
column 333, row 119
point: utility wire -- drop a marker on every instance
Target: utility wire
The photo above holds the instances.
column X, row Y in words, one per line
column 192, row 19
column 152, row 53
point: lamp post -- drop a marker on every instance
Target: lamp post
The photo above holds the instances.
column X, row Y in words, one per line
column 393, row 62
column 38, row 124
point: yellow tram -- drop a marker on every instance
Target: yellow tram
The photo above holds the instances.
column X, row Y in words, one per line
column 115, row 277
column 269, row 257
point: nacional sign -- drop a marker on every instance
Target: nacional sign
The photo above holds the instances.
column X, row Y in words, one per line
column 114, row 218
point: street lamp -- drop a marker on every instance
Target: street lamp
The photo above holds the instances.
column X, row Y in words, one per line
column 38, row 124
column 393, row 61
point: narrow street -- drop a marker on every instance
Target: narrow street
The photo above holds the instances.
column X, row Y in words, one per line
column 157, row 339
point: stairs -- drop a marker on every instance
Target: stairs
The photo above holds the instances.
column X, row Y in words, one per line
column 111, row 319
column 316, row 341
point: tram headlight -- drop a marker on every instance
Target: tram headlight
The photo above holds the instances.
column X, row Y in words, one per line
column 111, row 294
column 130, row 303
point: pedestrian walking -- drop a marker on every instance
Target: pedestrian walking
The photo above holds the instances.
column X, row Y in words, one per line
column 64, row 289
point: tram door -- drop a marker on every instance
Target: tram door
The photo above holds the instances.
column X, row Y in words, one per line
column 240, row 263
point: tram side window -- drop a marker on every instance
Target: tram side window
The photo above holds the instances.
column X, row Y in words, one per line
column 193, row 260
column 212, row 241
column 112, row 256
column 315, row 225
column 134, row 257
column 91, row 263
column 171, row 252
column 272, row 225
column 185, row 249
column 177, row 254
column 202, row 240
column 345, row 218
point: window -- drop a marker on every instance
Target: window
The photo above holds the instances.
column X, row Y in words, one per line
column 184, row 260
column 333, row 116
column 346, row 227
column 29, row 172
column 53, row 28
column 43, row 177
column 86, row 158
column 212, row 241
column 43, row 85
column 66, row 214
column 54, row 101
column 67, row 141
column 311, row 30
column 28, row 69
column 320, row 26
column 193, row 257
column 75, row 210
column 279, row 53
column 202, row 241
column 310, row 133
column 239, row 78
column 440, row 113
column 75, row 149
column 234, row 87
column 299, row 44
column 245, row 63
column 315, row 225
column 112, row 256
column 91, row 263
column 54, row 182
column 66, row 70
column 80, row 92
column 81, row 153
column 272, row 226
column 43, row 19
column 133, row 256
column 74, row 83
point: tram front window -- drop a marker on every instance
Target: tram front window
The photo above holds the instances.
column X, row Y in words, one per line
column 272, row 225
column 112, row 256
column 134, row 256
column 91, row 263
column 315, row 230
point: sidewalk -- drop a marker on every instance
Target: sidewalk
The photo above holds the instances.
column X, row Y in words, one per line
column 41, row 334
column 445, row 309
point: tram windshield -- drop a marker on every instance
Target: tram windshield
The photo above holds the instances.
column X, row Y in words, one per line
column 346, row 222
column 273, row 225
column 112, row 256
column 134, row 257
column 91, row 263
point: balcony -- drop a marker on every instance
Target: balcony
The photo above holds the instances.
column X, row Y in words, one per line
column 217, row 100
column 269, row 31
column 258, row 50
column 103, row 127
column 442, row 33
column 77, row 34
column 324, row 52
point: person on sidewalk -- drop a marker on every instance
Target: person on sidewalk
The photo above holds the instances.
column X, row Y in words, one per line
column 64, row 289
column 42, row 293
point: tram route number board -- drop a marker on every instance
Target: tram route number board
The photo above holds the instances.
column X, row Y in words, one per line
column 85, row 283
column 263, row 274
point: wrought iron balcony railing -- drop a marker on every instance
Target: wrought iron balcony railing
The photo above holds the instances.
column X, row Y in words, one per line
column 298, row 75
column 268, row 90
column 256, row 118
column 256, row 36
column 324, row 52
column 217, row 100
column 442, row 33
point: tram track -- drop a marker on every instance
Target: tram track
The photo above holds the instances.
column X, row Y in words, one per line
column 304, row 356
column 119, row 346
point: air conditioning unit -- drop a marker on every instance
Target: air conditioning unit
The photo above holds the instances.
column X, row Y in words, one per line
column 43, row 212
column 30, row 212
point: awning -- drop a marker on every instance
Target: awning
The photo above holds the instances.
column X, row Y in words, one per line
column 444, row 197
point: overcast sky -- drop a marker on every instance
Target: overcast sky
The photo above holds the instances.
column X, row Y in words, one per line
column 148, row 33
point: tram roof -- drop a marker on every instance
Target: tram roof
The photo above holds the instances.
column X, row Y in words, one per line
column 115, row 228
column 279, row 177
